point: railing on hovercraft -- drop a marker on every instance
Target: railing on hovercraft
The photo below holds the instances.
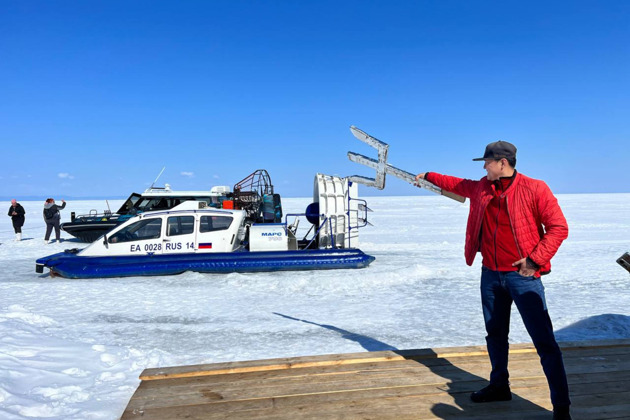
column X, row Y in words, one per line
column 320, row 222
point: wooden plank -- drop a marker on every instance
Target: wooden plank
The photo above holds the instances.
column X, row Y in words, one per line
column 350, row 358
column 438, row 374
column 413, row 406
column 244, row 389
column 383, row 385
column 416, row 407
column 210, row 395
column 532, row 389
column 199, row 393
column 412, row 371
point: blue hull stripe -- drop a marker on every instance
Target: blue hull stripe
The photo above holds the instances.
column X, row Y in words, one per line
column 77, row 267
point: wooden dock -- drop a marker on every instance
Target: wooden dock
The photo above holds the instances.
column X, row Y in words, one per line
column 406, row 384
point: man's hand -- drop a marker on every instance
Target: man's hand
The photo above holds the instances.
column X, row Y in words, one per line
column 523, row 269
column 419, row 177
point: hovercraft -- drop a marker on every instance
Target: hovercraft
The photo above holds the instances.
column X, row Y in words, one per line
column 247, row 234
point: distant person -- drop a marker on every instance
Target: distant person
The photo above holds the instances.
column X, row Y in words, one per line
column 52, row 218
column 16, row 212
column 517, row 224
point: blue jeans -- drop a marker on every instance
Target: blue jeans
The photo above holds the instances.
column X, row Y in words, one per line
column 498, row 290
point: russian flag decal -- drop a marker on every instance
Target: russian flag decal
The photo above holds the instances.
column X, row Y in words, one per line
column 207, row 245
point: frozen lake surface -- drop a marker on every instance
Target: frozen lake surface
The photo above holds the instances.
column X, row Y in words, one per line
column 73, row 349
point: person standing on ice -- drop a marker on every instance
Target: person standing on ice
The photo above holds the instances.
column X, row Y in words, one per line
column 52, row 217
column 517, row 224
column 16, row 212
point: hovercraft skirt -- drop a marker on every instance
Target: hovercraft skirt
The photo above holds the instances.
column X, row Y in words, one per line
column 70, row 265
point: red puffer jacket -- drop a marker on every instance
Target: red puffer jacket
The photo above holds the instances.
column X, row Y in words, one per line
column 531, row 205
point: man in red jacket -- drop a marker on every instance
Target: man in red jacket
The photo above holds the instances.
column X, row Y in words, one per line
column 517, row 224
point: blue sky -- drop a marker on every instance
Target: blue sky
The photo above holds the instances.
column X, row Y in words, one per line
column 97, row 96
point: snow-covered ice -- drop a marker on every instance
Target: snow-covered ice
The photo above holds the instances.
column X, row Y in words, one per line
column 73, row 349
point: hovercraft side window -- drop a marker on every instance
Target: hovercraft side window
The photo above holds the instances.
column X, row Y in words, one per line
column 164, row 203
column 140, row 230
column 214, row 223
column 154, row 203
column 129, row 204
column 180, row 225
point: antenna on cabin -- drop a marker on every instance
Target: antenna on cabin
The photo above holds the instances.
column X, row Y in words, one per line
column 158, row 177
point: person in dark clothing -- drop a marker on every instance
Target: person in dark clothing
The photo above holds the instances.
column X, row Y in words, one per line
column 52, row 218
column 16, row 212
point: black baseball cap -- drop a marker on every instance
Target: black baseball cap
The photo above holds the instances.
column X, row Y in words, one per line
column 499, row 150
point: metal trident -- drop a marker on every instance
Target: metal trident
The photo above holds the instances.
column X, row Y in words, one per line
column 383, row 168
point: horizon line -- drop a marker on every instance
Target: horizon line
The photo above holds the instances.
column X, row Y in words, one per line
column 86, row 198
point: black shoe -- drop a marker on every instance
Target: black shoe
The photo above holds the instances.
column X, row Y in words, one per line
column 492, row 393
column 561, row 413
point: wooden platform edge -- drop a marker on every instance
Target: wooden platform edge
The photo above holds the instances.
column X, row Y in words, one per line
column 190, row 371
